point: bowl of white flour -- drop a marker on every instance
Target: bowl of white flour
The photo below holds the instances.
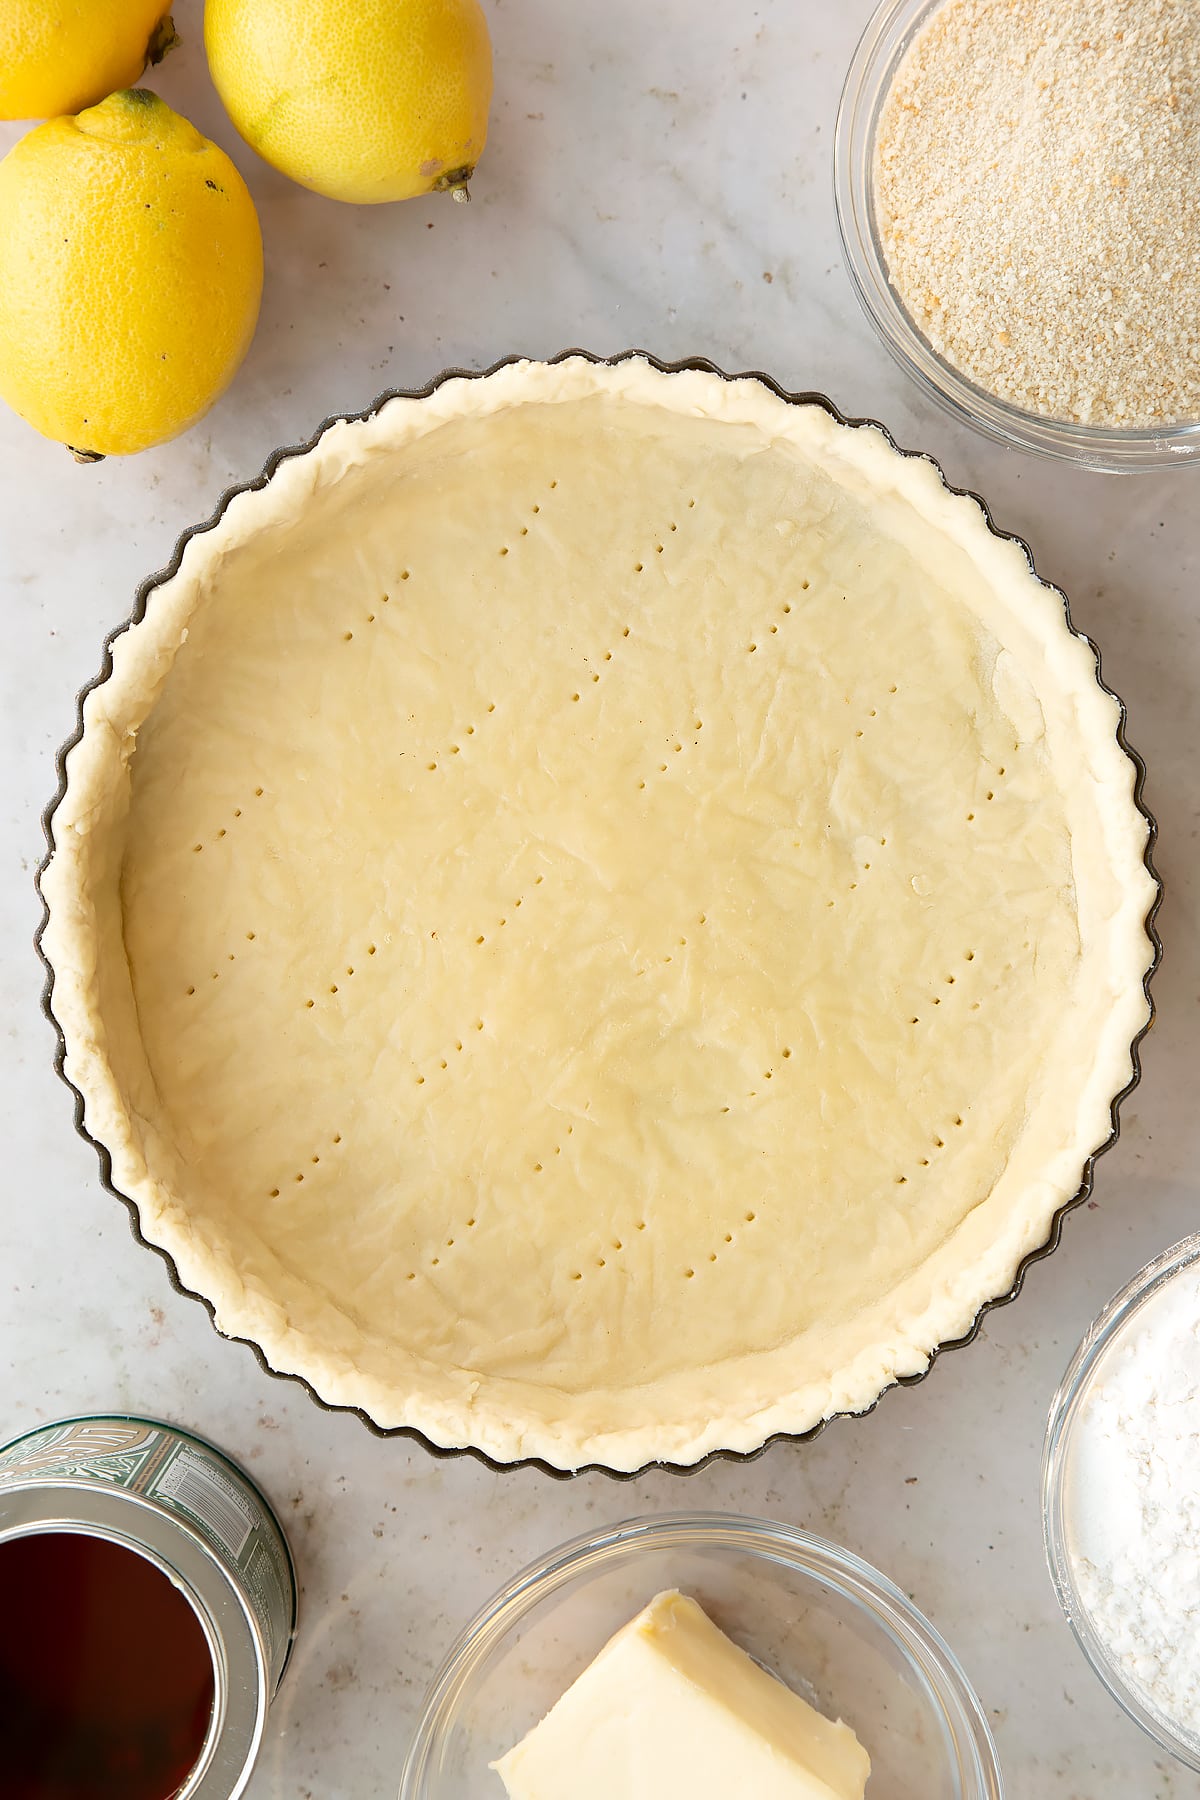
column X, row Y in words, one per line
column 1121, row 1498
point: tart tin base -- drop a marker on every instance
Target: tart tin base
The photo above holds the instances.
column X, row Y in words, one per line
column 142, row 600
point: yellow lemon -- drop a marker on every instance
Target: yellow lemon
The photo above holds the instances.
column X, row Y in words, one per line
column 130, row 275
column 57, row 56
column 358, row 99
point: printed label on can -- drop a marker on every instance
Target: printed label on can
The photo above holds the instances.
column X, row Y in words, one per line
column 194, row 1484
column 187, row 1478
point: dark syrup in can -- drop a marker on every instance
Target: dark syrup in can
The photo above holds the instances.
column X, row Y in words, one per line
column 147, row 1611
column 106, row 1675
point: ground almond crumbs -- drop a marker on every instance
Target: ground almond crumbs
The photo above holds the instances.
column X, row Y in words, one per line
column 1037, row 192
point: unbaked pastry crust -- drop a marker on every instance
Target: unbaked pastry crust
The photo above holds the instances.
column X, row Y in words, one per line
column 599, row 914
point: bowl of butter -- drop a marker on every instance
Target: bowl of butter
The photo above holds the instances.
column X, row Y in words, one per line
column 703, row 1654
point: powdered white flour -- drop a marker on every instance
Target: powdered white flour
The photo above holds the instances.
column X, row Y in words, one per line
column 1134, row 1501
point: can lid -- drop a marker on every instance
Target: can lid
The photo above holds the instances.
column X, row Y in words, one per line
column 241, row 1676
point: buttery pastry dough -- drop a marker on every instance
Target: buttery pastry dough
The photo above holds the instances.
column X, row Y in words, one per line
column 599, row 914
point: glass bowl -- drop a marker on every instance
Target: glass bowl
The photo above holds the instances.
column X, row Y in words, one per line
column 872, row 68
column 832, row 1627
column 1064, row 1472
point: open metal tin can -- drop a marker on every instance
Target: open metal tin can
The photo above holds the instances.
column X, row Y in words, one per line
column 182, row 1505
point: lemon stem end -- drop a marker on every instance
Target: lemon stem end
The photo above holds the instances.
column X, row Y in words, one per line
column 454, row 181
column 164, row 37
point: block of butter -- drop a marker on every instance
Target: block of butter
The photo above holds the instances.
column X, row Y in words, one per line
column 669, row 1709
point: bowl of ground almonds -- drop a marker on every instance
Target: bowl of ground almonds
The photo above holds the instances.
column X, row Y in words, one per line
column 1015, row 189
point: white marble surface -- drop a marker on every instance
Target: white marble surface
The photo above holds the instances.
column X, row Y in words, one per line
column 659, row 176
